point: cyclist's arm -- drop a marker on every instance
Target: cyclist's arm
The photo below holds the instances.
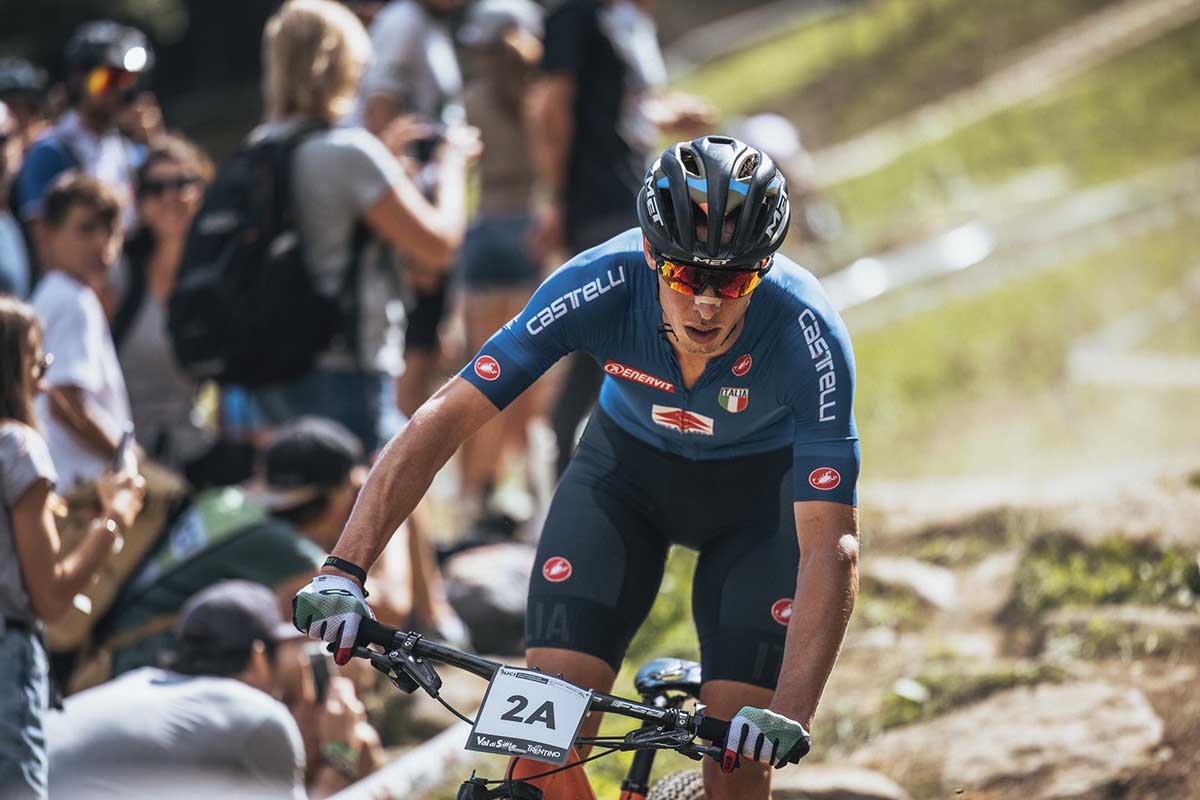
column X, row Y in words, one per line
column 406, row 467
column 826, row 588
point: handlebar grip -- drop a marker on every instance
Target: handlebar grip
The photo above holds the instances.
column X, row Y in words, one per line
column 372, row 632
column 714, row 730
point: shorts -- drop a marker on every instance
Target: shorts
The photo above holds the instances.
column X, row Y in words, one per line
column 495, row 255
column 424, row 318
column 618, row 508
column 24, row 703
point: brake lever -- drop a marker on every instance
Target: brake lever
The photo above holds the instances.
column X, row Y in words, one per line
column 414, row 668
column 657, row 738
column 399, row 678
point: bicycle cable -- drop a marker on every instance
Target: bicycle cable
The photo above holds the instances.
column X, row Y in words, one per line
column 509, row 777
column 455, row 711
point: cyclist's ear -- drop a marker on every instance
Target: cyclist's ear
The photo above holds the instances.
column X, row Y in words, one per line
column 650, row 261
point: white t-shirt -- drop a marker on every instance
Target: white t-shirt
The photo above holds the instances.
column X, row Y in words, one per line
column 77, row 335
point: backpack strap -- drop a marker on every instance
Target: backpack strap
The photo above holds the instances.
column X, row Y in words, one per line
column 131, row 301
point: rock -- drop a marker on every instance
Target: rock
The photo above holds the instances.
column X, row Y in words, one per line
column 1045, row 741
column 1118, row 631
column 487, row 587
column 818, row 782
column 932, row 584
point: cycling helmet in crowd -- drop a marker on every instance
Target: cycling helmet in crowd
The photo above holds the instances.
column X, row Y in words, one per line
column 109, row 44
column 18, row 76
column 714, row 201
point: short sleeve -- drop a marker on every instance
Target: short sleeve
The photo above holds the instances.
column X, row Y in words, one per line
column 24, row 459
column 43, row 163
column 273, row 752
column 354, row 165
column 820, row 390
column 72, row 335
column 567, row 31
column 561, row 317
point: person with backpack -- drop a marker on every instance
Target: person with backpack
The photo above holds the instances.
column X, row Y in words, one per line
column 280, row 290
column 169, row 185
column 106, row 64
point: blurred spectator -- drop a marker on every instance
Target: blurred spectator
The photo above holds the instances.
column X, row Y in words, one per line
column 209, row 726
column 169, row 185
column 105, row 64
column 497, row 267
column 414, row 75
column 274, row 532
column 37, row 580
column 85, row 409
column 23, row 88
column 14, row 258
column 596, row 112
column 314, row 54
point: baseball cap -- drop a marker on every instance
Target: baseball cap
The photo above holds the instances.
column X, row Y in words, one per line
column 219, row 625
column 488, row 20
column 304, row 459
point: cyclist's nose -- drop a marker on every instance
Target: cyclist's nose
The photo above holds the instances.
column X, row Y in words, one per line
column 708, row 304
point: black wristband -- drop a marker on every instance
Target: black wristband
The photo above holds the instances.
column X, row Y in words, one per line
column 350, row 568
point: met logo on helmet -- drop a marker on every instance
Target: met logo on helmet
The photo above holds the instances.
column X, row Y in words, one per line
column 778, row 218
column 487, row 368
column 824, row 478
column 651, row 200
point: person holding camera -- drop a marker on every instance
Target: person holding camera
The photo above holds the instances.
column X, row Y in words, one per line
column 37, row 580
column 208, row 725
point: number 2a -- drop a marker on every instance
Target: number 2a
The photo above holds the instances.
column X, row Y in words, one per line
column 544, row 714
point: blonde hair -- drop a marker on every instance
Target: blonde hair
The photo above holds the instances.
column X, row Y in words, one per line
column 314, row 52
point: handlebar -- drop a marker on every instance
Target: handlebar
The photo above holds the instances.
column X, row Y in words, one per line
column 392, row 639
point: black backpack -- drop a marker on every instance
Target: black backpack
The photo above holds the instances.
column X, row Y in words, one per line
column 244, row 310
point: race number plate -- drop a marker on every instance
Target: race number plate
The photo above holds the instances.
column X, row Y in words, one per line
column 531, row 715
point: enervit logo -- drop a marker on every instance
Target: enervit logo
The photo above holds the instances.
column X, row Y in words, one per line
column 487, row 368
column 556, row 569
column 571, row 300
column 619, row 370
column 824, row 478
column 742, row 365
column 822, row 358
column 682, row 421
column 781, row 611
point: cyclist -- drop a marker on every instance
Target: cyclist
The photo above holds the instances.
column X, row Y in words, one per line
column 724, row 424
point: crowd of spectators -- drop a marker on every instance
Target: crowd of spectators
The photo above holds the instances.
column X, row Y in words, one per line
column 132, row 492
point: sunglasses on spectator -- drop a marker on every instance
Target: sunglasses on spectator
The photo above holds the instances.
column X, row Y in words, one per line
column 155, row 187
column 42, row 366
column 105, row 79
column 728, row 284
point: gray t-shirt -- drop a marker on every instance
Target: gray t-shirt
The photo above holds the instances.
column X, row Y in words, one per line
column 337, row 175
column 24, row 459
column 154, row 733
column 413, row 60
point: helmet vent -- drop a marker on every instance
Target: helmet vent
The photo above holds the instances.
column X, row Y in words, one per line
column 690, row 164
column 745, row 170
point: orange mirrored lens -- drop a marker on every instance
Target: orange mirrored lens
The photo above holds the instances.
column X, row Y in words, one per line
column 727, row 284
column 105, row 79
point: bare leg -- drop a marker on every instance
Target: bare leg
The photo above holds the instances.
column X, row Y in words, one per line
column 580, row 669
column 750, row 781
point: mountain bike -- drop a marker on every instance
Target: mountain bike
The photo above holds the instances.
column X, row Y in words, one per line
column 664, row 684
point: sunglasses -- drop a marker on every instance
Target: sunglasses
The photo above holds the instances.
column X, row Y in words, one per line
column 42, row 366
column 728, row 284
column 154, row 187
column 107, row 79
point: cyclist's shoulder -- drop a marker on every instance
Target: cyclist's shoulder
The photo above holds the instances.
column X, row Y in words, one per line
column 803, row 320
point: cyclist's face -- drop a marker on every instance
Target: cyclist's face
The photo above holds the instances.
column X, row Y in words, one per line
column 703, row 326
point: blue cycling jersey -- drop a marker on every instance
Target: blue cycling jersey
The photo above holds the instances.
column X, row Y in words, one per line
column 788, row 380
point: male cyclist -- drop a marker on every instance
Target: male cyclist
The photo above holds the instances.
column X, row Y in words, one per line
column 724, row 424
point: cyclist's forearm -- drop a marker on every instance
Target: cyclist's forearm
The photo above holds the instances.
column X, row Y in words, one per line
column 397, row 482
column 826, row 588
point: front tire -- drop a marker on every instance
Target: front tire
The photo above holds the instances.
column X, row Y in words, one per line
column 683, row 785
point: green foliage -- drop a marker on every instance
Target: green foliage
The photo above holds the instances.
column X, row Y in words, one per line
column 1101, row 637
column 1059, row 570
column 971, row 540
column 949, row 689
column 1106, row 124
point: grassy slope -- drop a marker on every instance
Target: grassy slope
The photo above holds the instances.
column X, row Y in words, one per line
column 1137, row 111
column 889, row 56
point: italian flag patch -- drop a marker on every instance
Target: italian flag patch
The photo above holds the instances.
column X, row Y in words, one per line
column 733, row 399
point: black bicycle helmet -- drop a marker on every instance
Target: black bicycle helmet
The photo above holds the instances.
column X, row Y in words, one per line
column 714, row 201
column 18, row 76
column 110, row 44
